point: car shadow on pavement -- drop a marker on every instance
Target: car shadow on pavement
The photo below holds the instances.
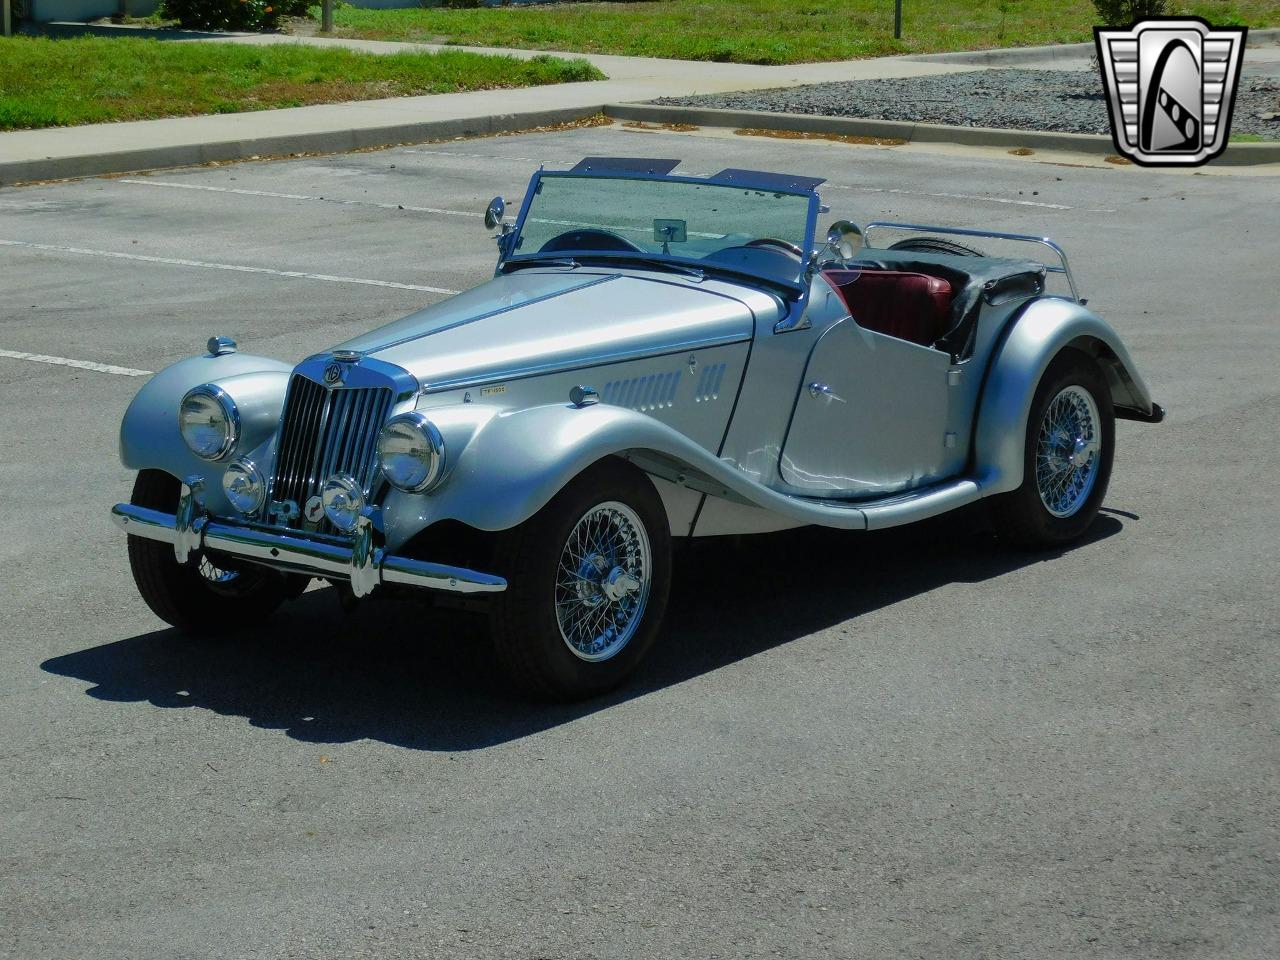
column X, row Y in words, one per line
column 422, row 678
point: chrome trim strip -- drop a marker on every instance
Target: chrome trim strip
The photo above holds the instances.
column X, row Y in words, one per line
column 640, row 353
column 365, row 567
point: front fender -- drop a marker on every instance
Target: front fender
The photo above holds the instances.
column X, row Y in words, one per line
column 149, row 437
column 1046, row 327
column 514, row 462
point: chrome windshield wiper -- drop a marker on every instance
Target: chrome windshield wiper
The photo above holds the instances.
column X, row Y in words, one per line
column 536, row 260
column 661, row 264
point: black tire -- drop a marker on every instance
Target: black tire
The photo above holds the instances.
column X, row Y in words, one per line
column 936, row 245
column 528, row 643
column 1022, row 517
column 184, row 596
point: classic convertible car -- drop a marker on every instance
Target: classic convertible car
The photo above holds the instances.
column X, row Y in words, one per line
column 657, row 356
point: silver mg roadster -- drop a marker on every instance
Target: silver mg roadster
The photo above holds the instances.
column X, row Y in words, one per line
column 658, row 356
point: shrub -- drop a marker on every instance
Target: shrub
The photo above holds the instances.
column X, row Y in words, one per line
column 1121, row 13
column 225, row 14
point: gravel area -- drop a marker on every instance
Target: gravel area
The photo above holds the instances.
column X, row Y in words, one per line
column 1070, row 101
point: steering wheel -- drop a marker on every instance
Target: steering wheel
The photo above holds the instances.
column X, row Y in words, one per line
column 775, row 242
column 590, row 240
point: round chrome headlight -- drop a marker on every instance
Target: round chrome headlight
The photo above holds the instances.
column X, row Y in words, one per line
column 343, row 501
column 244, row 486
column 209, row 421
column 411, row 452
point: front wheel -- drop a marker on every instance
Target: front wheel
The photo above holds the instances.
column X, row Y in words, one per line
column 209, row 594
column 1069, row 447
column 589, row 576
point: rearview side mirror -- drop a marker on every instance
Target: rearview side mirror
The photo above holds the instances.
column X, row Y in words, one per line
column 494, row 213
column 844, row 239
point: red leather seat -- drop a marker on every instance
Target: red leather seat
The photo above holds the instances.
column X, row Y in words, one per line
column 909, row 306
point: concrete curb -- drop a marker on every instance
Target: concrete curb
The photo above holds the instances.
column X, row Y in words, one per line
column 1010, row 55
column 1052, row 52
column 1237, row 154
column 321, row 141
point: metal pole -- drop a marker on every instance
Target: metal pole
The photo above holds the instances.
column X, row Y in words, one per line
column 326, row 16
column 8, row 18
column 897, row 19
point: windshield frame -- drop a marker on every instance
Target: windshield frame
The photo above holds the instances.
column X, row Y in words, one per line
column 798, row 282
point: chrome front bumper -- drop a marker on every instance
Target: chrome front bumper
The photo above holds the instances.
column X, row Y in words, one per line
column 364, row 564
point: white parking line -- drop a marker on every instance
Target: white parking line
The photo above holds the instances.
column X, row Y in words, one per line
column 370, row 203
column 235, row 267
column 954, row 196
column 302, row 196
column 490, row 156
column 80, row 364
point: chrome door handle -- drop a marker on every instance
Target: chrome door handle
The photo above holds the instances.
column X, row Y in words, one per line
column 820, row 391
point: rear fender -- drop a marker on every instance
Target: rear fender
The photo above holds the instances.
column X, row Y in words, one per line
column 1043, row 329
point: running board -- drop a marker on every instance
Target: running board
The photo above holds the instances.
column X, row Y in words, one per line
column 894, row 511
column 717, row 478
column 920, row 504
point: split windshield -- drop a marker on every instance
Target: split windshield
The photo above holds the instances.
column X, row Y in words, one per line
column 697, row 223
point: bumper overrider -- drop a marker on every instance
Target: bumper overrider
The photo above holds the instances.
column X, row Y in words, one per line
column 366, row 565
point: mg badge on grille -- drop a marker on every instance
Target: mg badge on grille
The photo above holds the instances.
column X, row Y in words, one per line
column 333, row 373
column 1170, row 84
column 314, row 510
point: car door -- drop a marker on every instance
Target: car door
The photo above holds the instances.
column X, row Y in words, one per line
column 872, row 415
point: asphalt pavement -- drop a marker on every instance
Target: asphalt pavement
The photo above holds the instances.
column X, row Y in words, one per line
column 905, row 744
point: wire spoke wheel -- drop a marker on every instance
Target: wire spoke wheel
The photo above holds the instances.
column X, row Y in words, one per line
column 602, row 582
column 1068, row 451
column 216, row 575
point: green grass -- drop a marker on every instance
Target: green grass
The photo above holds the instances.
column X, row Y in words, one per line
column 47, row 83
column 767, row 31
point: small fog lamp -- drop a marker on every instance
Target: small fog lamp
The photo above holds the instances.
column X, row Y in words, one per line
column 343, row 501
column 244, row 486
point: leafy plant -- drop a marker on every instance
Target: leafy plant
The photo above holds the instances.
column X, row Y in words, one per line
column 232, row 14
column 1121, row 13
column 1005, row 7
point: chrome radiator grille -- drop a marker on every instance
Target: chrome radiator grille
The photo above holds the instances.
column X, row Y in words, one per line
column 324, row 432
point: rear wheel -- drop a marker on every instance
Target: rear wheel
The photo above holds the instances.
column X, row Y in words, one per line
column 589, row 576
column 1069, row 448
column 208, row 594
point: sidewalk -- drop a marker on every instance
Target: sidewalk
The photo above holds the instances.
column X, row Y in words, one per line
column 119, row 147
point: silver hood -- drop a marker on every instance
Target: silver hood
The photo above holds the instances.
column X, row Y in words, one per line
column 533, row 321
